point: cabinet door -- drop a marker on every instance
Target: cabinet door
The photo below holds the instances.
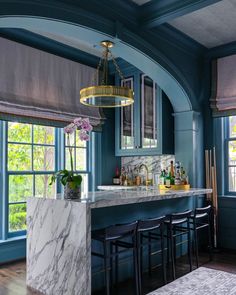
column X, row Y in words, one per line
column 127, row 141
column 149, row 110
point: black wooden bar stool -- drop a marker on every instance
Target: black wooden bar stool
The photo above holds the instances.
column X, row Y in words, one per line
column 150, row 231
column 176, row 227
column 117, row 236
column 201, row 218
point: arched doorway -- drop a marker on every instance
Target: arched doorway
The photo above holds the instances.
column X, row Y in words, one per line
column 188, row 143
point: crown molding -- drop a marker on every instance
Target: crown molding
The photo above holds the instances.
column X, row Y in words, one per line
column 221, row 51
column 155, row 13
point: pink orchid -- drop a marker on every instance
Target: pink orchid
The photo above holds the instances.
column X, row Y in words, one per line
column 86, row 126
column 69, row 129
column 78, row 121
column 83, row 135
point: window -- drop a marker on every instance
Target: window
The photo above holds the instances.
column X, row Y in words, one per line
column 30, row 154
column 79, row 154
column 231, row 154
column 30, row 164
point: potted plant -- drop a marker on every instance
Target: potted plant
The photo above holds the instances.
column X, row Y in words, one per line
column 71, row 181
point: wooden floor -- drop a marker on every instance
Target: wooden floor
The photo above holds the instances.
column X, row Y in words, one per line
column 12, row 276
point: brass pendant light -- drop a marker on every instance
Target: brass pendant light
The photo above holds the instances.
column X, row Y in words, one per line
column 105, row 95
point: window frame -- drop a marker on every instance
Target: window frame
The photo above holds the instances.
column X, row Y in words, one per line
column 227, row 139
column 88, row 169
column 8, row 173
column 59, row 163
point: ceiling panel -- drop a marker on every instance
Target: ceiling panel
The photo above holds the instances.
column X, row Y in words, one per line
column 211, row 26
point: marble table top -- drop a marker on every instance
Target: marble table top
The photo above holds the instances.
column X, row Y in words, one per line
column 101, row 199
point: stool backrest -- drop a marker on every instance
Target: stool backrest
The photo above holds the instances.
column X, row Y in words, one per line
column 150, row 224
column 201, row 212
column 121, row 230
column 183, row 216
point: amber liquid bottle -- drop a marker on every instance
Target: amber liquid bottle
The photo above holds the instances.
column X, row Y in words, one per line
column 116, row 178
column 172, row 170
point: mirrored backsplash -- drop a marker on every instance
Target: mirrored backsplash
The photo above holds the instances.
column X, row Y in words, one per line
column 154, row 163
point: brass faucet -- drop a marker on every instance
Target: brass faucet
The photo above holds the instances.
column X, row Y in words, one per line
column 148, row 182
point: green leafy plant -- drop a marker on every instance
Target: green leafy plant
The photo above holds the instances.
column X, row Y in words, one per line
column 65, row 177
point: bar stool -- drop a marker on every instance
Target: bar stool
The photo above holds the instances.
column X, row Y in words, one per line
column 176, row 227
column 114, row 236
column 201, row 218
column 148, row 232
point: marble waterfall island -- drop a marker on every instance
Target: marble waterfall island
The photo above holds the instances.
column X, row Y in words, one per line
column 59, row 236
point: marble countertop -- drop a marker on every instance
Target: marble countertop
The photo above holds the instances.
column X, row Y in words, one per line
column 115, row 187
column 101, row 199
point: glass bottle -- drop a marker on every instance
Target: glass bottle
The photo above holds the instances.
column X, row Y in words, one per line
column 162, row 178
column 116, row 178
column 172, row 171
column 168, row 180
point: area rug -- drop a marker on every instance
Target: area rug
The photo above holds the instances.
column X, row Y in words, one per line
column 202, row 281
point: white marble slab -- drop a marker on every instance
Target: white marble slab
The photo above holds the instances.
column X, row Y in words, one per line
column 59, row 236
column 58, row 247
column 114, row 187
column 137, row 195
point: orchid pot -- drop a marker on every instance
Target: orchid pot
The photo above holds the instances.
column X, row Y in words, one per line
column 71, row 192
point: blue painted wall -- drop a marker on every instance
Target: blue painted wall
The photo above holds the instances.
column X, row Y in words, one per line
column 108, row 161
column 157, row 49
column 214, row 136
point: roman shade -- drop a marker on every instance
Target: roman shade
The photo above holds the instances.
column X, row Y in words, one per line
column 39, row 86
column 223, row 98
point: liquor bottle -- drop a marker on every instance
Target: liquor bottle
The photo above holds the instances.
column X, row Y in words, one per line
column 116, row 178
column 162, row 178
column 177, row 178
column 172, row 171
column 168, row 180
column 184, row 178
column 177, row 166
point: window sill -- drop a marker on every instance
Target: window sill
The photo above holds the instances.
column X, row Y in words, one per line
column 12, row 240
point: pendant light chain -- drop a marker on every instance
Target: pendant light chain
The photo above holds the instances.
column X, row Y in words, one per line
column 104, row 58
column 117, row 67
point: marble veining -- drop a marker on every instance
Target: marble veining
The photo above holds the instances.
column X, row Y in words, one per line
column 154, row 163
column 58, row 247
column 59, row 236
column 136, row 195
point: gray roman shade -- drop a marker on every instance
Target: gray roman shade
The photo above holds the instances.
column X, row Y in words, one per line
column 41, row 86
column 223, row 99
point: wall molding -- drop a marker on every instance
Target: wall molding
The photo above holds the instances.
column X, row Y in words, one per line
column 155, row 13
column 221, row 51
column 12, row 249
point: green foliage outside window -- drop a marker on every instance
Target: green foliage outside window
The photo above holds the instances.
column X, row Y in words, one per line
column 30, row 148
column 30, row 165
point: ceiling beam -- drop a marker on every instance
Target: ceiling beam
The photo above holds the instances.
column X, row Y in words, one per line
column 155, row 13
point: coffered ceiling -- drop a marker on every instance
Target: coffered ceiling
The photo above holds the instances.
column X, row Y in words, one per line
column 211, row 26
column 206, row 23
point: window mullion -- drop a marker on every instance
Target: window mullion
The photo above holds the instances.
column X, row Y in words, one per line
column 5, row 181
